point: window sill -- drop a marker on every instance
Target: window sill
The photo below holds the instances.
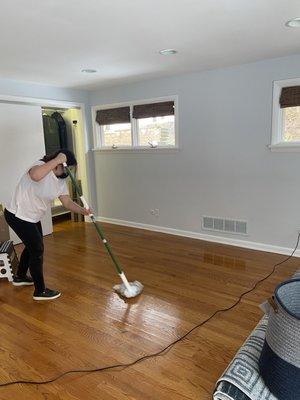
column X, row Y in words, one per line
column 156, row 150
column 285, row 147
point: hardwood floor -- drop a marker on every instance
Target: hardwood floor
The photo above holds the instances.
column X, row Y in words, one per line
column 90, row 326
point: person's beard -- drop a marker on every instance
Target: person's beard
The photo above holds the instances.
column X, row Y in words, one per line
column 62, row 176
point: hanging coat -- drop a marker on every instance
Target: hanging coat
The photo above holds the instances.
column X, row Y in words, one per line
column 63, row 136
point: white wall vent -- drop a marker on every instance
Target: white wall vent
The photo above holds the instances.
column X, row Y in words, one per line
column 224, row 225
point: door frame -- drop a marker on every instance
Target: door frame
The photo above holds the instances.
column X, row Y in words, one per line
column 63, row 104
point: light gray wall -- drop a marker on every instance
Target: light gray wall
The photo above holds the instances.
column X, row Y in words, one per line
column 223, row 168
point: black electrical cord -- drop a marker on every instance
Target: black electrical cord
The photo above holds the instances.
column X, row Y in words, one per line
column 165, row 349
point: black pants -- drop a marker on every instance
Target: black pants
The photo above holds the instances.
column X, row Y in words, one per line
column 31, row 235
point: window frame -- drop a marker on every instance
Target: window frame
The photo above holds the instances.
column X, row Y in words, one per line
column 101, row 138
column 277, row 143
column 98, row 130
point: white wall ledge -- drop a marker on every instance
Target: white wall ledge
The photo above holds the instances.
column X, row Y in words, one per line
column 157, row 150
column 285, row 147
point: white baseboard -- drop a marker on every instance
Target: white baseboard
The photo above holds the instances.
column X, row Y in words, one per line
column 202, row 236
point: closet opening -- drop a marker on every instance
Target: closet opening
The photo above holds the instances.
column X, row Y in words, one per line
column 63, row 128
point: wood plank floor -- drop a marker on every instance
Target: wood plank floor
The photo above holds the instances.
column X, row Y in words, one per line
column 90, row 326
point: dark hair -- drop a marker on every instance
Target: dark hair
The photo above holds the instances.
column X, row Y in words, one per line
column 71, row 160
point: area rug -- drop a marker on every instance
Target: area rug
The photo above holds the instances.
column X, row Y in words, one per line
column 241, row 379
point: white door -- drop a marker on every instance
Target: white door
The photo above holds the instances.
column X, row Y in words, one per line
column 21, row 144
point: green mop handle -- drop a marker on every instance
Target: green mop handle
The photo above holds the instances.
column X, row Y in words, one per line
column 98, row 229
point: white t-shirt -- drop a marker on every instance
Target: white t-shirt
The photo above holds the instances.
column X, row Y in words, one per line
column 31, row 199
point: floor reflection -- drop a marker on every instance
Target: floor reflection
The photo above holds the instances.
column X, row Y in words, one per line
column 227, row 261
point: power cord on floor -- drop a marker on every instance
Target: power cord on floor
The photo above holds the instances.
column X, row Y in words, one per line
column 165, row 349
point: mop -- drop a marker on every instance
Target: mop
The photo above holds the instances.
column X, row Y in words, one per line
column 125, row 289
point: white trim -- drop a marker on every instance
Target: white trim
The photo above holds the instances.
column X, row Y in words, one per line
column 277, row 144
column 201, row 236
column 96, row 143
column 128, row 150
column 134, row 131
column 101, row 135
column 285, row 147
column 97, row 135
column 40, row 102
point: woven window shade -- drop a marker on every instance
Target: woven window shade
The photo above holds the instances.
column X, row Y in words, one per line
column 290, row 97
column 112, row 116
column 153, row 110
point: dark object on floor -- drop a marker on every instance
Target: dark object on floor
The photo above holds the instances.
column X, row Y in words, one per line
column 242, row 380
column 279, row 362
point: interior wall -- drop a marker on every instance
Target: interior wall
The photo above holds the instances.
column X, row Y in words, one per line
column 22, row 143
column 223, row 168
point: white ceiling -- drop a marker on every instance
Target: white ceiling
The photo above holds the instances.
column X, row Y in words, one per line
column 50, row 41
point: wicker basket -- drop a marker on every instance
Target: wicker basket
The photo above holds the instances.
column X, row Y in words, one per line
column 279, row 362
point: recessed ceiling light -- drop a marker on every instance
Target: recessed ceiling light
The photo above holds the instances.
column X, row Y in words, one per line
column 167, row 52
column 88, row 71
column 293, row 23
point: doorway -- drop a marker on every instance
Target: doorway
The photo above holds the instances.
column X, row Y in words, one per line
column 22, row 140
column 63, row 128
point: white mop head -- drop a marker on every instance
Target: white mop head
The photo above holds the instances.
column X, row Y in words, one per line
column 135, row 289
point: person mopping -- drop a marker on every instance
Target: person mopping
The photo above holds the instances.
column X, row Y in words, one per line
column 41, row 184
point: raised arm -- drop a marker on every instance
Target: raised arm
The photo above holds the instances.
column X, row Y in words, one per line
column 38, row 172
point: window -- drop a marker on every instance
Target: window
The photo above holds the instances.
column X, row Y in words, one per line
column 286, row 116
column 291, row 124
column 145, row 125
column 115, row 127
column 117, row 135
column 156, row 131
